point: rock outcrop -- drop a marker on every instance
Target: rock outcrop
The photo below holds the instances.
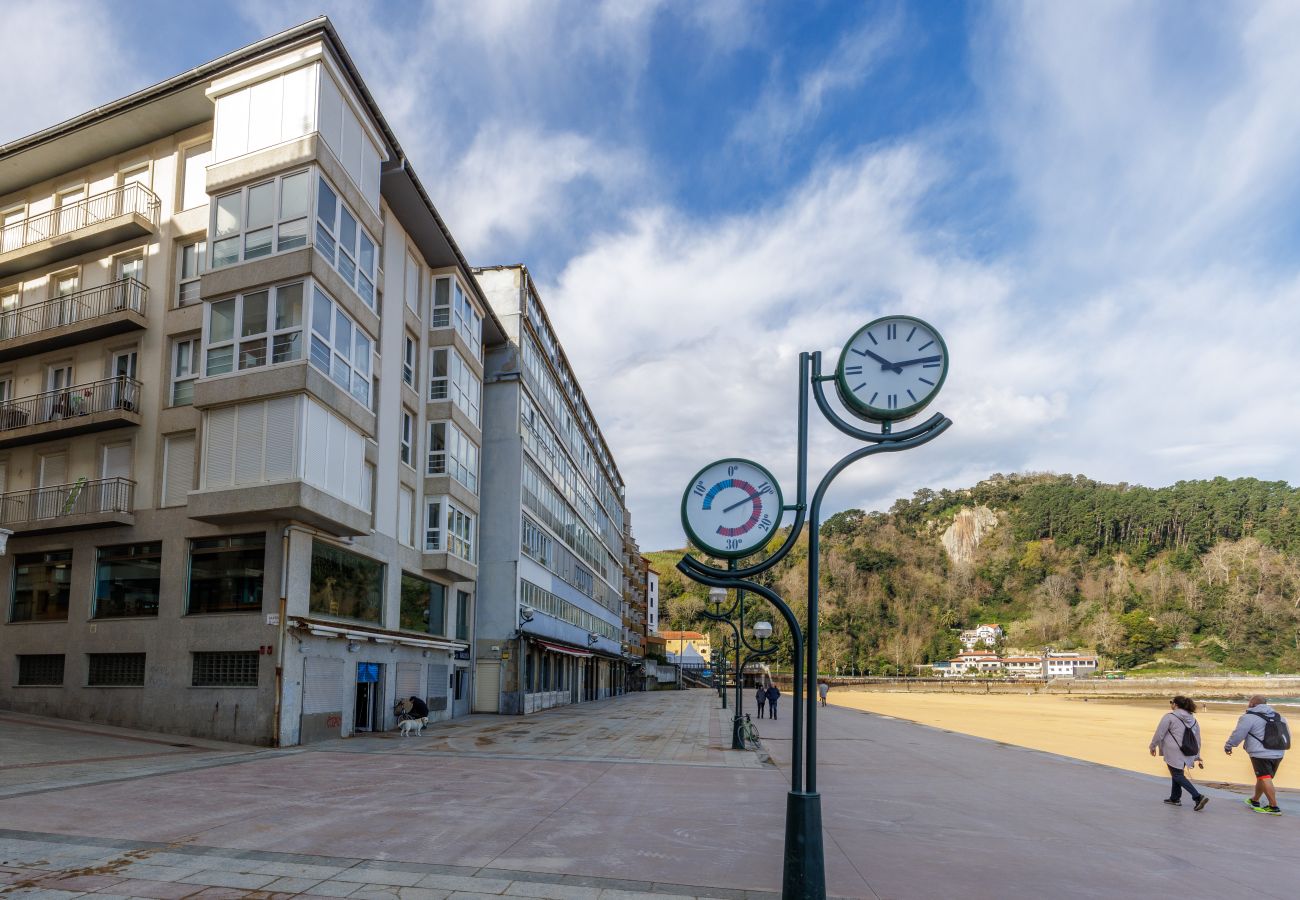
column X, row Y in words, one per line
column 966, row 531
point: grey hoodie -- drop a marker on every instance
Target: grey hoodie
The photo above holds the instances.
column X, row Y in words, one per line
column 1250, row 728
column 1169, row 738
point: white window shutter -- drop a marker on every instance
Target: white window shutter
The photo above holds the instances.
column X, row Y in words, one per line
column 117, row 461
column 178, row 469
column 54, row 469
column 219, row 452
column 281, row 438
column 250, row 434
column 405, row 510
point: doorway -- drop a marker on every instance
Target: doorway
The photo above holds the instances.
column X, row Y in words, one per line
column 369, row 700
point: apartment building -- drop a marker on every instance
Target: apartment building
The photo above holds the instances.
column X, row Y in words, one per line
column 981, row 635
column 651, row 600
column 241, row 412
column 554, row 561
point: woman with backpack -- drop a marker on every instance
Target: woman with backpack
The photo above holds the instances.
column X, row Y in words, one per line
column 1178, row 739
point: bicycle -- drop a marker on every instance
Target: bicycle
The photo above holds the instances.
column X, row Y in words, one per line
column 749, row 734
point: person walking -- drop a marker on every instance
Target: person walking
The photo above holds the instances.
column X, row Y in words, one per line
column 1178, row 740
column 1265, row 735
column 760, row 697
column 823, row 688
column 773, row 695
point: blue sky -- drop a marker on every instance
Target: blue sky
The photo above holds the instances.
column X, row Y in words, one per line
column 1095, row 203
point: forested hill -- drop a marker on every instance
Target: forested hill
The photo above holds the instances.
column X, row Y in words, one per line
column 1201, row 574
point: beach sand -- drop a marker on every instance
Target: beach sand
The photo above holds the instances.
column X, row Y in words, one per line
column 1114, row 732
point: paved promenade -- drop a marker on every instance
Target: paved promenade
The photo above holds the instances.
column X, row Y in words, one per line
column 636, row 797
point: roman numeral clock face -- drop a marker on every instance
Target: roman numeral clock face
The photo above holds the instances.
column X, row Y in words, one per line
column 891, row 369
column 731, row 508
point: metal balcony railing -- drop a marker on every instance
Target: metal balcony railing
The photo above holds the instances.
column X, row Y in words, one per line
column 72, row 217
column 123, row 294
column 120, row 393
column 103, row 495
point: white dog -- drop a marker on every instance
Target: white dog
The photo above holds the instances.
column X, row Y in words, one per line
column 413, row 725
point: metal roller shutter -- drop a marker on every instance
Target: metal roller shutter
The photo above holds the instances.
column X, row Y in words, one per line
column 408, row 680
column 322, row 685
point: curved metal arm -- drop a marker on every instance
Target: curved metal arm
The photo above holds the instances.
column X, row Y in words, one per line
column 916, row 439
column 771, row 596
column 874, row 437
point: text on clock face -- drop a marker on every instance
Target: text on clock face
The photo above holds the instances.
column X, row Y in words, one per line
column 896, row 367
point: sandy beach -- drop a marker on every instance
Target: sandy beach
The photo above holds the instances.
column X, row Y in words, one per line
column 1111, row 732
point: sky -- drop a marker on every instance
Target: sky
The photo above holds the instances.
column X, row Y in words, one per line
column 1095, row 204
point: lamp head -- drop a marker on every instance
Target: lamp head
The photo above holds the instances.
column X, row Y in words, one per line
column 762, row 631
column 525, row 614
column 592, row 637
column 717, row 597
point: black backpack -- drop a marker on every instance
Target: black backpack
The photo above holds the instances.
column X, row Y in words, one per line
column 1277, row 736
column 1188, row 745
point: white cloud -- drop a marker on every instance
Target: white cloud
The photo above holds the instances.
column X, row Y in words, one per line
column 783, row 110
column 61, row 58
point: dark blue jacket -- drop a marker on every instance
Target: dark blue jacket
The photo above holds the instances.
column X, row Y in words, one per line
column 773, row 694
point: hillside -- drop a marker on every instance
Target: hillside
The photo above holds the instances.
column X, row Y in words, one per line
column 1201, row 574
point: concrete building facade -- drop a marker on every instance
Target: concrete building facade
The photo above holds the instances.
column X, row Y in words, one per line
column 241, row 412
column 555, row 561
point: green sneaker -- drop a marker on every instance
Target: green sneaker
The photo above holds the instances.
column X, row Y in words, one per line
column 1271, row 810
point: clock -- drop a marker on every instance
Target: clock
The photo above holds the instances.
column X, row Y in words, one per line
column 731, row 507
column 891, row 368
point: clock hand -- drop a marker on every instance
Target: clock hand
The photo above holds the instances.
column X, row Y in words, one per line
column 912, row 362
column 884, row 363
column 739, row 503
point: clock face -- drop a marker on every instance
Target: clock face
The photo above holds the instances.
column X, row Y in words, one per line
column 731, row 508
column 891, row 369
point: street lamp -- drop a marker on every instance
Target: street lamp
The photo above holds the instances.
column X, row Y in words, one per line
column 741, row 501
column 762, row 631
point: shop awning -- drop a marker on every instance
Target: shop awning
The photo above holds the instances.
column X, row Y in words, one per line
column 560, row 648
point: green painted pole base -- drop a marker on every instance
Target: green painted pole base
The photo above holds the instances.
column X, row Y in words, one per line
column 737, row 741
column 804, row 874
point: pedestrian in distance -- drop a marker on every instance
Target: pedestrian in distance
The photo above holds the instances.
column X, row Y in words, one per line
column 1264, row 733
column 823, row 688
column 773, row 695
column 1178, row 740
column 760, row 697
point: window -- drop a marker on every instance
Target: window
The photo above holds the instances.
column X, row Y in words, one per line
column 42, row 586
column 344, row 243
column 261, row 219
column 408, row 427
column 189, row 266
column 115, row 670
column 127, row 581
column 452, row 453
column 339, row 347
column 423, row 605
column 413, row 269
column 226, row 574
column 225, row 669
column 452, row 307
column 40, row 669
column 185, row 356
column 462, row 616
column 262, row 325
column 449, row 529
column 10, row 302
column 178, row 468
column 535, row 542
column 406, row 516
column 450, row 377
column 194, row 191
column 345, row 584
column 410, row 349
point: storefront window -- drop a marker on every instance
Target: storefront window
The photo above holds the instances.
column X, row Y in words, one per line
column 423, row 605
column 346, row 585
column 42, row 586
column 226, row 574
column 127, row 582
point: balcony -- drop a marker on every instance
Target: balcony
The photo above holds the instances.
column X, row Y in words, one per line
column 82, row 408
column 60, row 507
column 121, row 214
column 73, row 319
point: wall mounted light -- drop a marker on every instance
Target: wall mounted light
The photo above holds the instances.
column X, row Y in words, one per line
column 592, row 638
column 353, row 646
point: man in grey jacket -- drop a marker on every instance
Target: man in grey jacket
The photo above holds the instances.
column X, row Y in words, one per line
column 1250, row 729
